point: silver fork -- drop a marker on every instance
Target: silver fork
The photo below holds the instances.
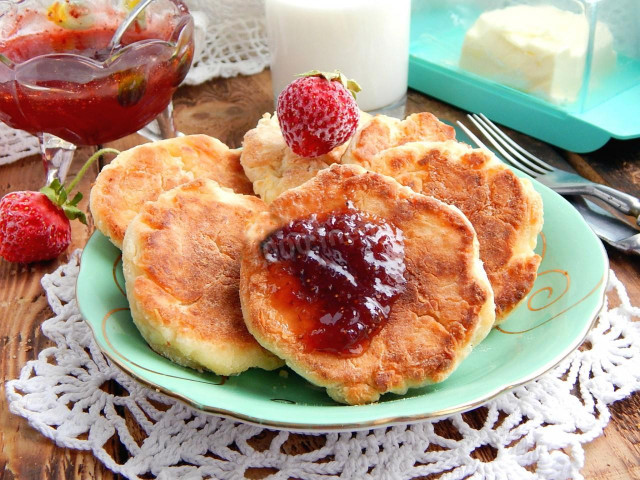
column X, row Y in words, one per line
column 565, row 183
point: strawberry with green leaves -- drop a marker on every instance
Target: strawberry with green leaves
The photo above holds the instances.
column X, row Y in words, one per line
column 317, row 112
column 35, row 226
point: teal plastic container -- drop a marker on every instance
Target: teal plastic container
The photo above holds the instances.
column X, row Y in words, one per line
column 607, row 105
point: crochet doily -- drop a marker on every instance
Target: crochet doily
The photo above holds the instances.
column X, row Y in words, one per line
column 16, row 144
column 230, row 39
column 536, row 431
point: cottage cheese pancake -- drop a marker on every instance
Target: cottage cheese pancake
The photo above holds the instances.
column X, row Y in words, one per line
column 142, row 173
column 273, row 167
column 505, row 210
column 383, row 132
column 363, row 286
column 181, row 265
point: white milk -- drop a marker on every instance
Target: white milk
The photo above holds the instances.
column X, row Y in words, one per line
column 367, row 40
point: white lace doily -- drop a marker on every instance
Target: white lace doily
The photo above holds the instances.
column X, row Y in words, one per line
column 537, row 430
column 16, row 144
column 230, row 37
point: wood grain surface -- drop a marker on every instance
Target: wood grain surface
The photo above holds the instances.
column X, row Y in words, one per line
column 226, row 109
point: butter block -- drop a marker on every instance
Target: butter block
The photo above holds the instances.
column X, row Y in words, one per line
column 537, row 49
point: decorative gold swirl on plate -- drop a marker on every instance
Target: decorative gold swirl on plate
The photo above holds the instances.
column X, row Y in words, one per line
column 543, row 237
column 593, row 290
column 549, row 290
column 115, row 274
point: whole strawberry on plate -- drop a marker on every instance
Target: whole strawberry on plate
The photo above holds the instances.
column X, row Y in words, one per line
column 35, row 226
column 317, row 112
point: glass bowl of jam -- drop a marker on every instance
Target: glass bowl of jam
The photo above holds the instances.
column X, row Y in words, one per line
column 60, row 80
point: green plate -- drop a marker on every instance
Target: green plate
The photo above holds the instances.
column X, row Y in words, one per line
column 552, row 321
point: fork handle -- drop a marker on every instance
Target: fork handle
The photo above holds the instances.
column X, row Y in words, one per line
column 609, row 228
column 629, row 202
column 623, row 202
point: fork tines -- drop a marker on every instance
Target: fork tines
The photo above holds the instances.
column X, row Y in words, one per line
column 510, row 150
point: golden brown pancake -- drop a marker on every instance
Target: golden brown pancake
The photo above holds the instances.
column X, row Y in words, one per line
column 505, row 210
column 445, row 309
column 142, row 173
column 181, row 265
column 273, row 167
column 383, row 132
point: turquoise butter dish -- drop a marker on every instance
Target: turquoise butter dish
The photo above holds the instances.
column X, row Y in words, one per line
column 593, row 88
column 549, row 324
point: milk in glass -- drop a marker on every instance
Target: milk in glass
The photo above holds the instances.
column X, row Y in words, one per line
column 367, row 40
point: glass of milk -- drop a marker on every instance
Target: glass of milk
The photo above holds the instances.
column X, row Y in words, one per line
column 367, row 40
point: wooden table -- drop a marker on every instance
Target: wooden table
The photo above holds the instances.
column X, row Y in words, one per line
column 226, row 109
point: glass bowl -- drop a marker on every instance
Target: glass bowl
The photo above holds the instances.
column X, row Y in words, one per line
column 58, row 77
column 60, row 80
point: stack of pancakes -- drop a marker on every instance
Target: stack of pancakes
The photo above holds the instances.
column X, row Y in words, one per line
column 191, row 214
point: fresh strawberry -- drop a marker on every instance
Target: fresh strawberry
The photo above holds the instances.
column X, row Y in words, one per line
column 318, row 112
column 35, row 226
column 32, row 228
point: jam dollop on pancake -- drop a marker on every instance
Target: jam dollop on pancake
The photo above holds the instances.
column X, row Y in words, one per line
column 341, row 273
column 436, row 316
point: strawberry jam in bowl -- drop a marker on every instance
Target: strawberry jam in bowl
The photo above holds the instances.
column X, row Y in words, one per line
column 341, row 272
column 59, row 76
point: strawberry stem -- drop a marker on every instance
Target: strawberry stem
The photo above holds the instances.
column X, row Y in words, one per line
column 58, row 193
column 87, row 164
column 336, row 76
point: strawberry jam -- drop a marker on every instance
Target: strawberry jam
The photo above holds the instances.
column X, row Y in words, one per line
column 62, row 83
column 341, row 273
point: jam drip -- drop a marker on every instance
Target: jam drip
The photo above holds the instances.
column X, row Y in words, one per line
column 341, row 273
